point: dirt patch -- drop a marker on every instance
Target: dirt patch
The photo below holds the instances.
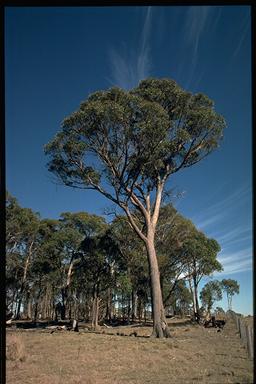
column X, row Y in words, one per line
column 193, row 355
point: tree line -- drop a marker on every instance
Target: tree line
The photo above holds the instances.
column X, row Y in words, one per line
column 81, row 267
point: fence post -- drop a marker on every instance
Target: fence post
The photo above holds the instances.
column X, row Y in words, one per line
column 249, row 334
column 239, row 326
column 243, row 333
column 236, row 320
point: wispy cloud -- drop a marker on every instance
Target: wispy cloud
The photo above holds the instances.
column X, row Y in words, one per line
column 196, row 22
column 245, row 28
column 130, row 65
column 216, row 212
column 236, row 266
column 236, row 261
column 199, row 19
column 234, row 237
column 208, row 221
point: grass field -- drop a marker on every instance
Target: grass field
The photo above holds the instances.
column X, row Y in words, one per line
column 193, row 355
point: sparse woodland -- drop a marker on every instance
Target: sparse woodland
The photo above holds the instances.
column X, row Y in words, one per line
column 80, row 267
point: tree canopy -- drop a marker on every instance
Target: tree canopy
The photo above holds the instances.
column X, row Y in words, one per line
column 126, row 144
column 231, row 287
column 210, row 293
column 134, row 140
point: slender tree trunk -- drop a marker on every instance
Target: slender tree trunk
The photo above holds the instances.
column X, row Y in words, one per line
column 37, row 302
column 30, row 307
column 160, row 326
column 109, row 305
column 24, row 279
column 139, row 308
column 13, row 301
column 95, row 307
column 27, row 305
column 129, row 309
column 193, row 298
column 95, row 312
column 196, row 300
column 123, row 307
column 63, row 305
column 145, row 314
column 229, row 297
column 134, row 305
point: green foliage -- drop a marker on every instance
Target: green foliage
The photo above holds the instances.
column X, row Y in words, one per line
column 139, row 138
column 202, row 252
column 230, row 286
column 131, row 261
column 210, row 293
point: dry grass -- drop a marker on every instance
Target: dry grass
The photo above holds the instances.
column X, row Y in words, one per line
column 194, row 355
column 15, row 349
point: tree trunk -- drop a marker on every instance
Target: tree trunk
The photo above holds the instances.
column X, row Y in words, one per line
column 95, row 312
column 193, row 297
column 229, row 297
column 24, row 280
column 30, row 308
column 27, row 306
column 123, row 308
column 95, row 307
column 109, row 305
column 37, row 302
column 134, row 305
column 196, row 300
column 17, row 316
column 160, row 326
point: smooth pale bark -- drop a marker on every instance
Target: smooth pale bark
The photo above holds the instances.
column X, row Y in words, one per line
column 24, row 280
column 229, row 298
column 95, row 306
column 196, row 300
column 160, row 326
column 65, row 289
column 193, row 297
column 134, row 305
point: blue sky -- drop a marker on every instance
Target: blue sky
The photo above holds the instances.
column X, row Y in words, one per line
column 55, row 57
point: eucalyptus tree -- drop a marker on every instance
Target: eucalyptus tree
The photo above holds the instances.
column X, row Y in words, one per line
column 172, row 231
column 126, row 145
column 73, row 229
column 231, row 287
column 181, row 298
column 210, row 293
column 131, row 265
column 46, row 270
column 22, row 226
column 202, row 261
column 97, row 254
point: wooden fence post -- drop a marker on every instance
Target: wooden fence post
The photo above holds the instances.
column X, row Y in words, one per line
column 243, row 333
column 249, row 334
column 236, row 320
column 239, row 326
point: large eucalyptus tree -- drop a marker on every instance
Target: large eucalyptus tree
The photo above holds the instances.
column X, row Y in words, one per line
column 126, row 144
